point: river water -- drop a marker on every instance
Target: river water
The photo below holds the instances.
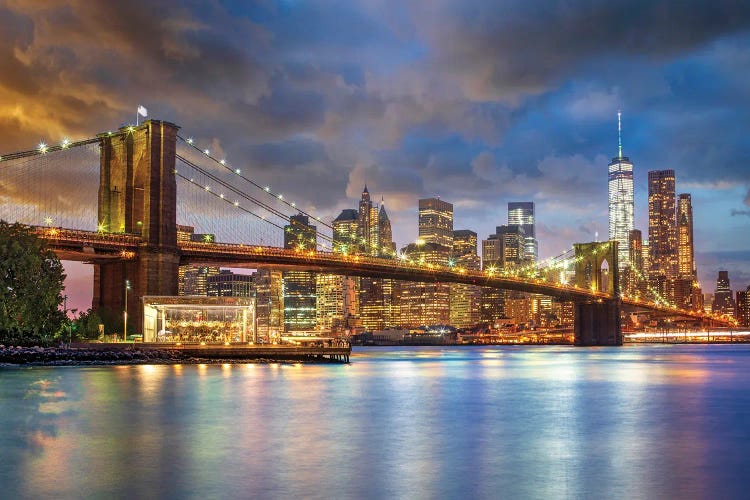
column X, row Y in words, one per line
column 413, row 422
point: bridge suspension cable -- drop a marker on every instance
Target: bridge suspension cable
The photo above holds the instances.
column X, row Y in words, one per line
column 266, row 189
column 219, row 182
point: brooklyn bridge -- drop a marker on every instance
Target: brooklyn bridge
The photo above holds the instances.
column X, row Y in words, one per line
column 115, row 201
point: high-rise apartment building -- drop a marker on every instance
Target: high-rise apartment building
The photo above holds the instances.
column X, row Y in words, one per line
column 436, row 222
column 662, row 232
column 299, row 286
column 687, row 293
column 465, row 300
column 621, row 202
column 521, row 213
column 685, row 242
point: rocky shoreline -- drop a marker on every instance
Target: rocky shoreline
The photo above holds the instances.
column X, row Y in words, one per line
column 62, row 356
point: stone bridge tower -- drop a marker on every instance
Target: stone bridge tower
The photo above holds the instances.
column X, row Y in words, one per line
column 598, row 322
column 138, row 195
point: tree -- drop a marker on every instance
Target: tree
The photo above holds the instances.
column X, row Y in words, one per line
column 31, row 282
column 86, row 326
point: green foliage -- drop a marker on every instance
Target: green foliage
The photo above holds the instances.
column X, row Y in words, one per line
column 86, row 326
column 31, row 282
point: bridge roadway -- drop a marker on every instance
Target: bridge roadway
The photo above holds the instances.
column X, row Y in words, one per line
column 90, row 246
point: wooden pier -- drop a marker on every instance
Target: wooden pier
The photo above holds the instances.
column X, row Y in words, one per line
column 336, row 352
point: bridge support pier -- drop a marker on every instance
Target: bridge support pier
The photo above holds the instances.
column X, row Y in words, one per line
column 598, row 323
column 138, row 196
column 151, row 273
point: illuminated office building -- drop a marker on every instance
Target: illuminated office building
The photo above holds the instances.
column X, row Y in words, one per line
column 621, row 202
column 269, row 303
column 522, row 214
column 687, row 293
column 195, row 280
column 743, row 308
column 465, row 300
column 723, row 303
column 662, row 232
column 436, row 222
column 299, row 286
column 685, row 243
column 424, row 303
column 229, row 284
column 345, row 230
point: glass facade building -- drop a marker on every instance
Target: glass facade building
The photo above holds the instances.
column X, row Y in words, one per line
column 621, row 202
column 521, row 213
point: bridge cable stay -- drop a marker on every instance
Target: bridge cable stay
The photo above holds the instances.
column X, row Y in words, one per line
column 54, row 185
column 273, row 211
column 278, row 197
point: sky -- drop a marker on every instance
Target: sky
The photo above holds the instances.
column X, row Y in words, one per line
column 477, row 102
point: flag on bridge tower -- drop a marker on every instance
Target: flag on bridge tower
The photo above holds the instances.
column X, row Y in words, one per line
column 141, row 112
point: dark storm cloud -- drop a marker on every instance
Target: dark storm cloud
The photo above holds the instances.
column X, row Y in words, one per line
column 508, row 49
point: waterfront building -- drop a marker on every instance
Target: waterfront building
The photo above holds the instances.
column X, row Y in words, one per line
column 269, row 303
column 424, row 303
column 504, row 249
column 743, row 308
column 329, row 302
column 662, row 232
column 465, row 300
column 723, row 302
column 375, row 295
column 230, row 284
column 521, row 213
column 299, row 286
column 621, row 201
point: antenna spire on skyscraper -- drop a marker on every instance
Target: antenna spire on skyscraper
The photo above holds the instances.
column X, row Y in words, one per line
column 619, row 135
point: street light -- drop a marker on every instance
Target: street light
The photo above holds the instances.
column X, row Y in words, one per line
column 125, row 313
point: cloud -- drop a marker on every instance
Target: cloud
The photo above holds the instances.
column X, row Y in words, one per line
column 740, row 212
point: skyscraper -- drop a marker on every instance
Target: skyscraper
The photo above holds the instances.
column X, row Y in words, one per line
column 687, row 293
column 436, row 222
column 424, row 303
column 345, row 230
column 465, row 300
column 521, row 213
column 299, row 286
column 743, row 308
column 685, row 243
column 367, row 225
column 662, row 232
column 621, row 203
column 723, row 303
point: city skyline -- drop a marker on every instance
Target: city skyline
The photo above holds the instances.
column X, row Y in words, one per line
column 384, row 102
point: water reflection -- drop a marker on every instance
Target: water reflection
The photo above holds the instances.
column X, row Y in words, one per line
column 417, row 422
